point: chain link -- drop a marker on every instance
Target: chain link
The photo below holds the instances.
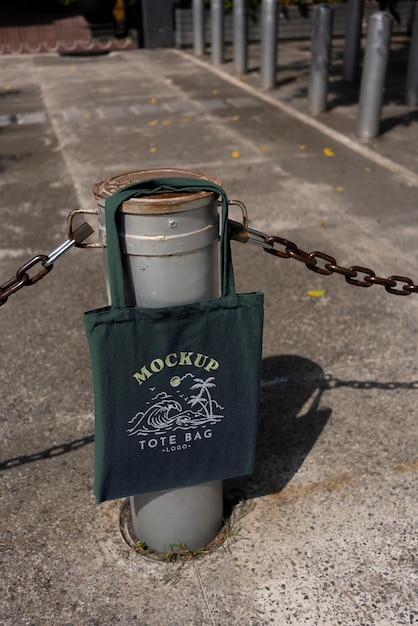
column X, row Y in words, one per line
column 316, row 261
column 354, row 275
column 22, row 278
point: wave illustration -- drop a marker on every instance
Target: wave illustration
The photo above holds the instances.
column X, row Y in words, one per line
column 168, row 415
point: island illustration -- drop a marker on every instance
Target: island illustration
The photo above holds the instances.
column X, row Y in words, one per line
column 190, row 405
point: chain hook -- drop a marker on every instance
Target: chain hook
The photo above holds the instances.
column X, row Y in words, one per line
column 241, row 232
column 70, row 231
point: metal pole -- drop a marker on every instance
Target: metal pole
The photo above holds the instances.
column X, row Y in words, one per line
column 353, row 40
column 171, row 258
column 269, row 28
column 217, row 31
column 412, row 74
column 240, row 37
column 198, row 27
column 321, row 58
column 374, row 74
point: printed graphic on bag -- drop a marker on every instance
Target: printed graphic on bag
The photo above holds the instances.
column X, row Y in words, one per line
column 179, row 410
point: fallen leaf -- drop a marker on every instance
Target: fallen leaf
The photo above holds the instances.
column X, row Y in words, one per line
column 263, row 148
column 301, row 146
column 322, row 223
column 153, row 149
column 166, row 122
column 153, row 123
column 316, row 293
column 86, row 116
column 339, row 188
column 7, row 87
column 185, row 119
column 367, row 169
column 153, row 101
column 328, row 152
column 236, row 154
column 235, row 118
column 215, row 92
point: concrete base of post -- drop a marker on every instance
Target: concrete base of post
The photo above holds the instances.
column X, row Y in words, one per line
column 191, row 516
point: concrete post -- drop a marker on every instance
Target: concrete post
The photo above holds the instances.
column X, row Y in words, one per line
column 178, row 268
column 240, row 37
column 269, row 28
column 374, row 74
column 198, row 27
column 411, row 90
column 353, row 40
column 320, row 59
column 217, row 31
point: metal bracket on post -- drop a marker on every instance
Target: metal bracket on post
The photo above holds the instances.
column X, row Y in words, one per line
column 241, row 231
column 70, row 227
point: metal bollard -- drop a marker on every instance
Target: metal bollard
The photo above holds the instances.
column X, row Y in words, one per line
column 353, row 40
column 240, row 37
column 321, row 58
column 374, row 74
column 269, row 29
column 199, row 27
column 217, row 31
column 170, row 248
column 411, row 90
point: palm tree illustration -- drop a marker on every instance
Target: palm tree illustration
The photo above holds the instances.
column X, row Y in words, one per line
column 205, row 402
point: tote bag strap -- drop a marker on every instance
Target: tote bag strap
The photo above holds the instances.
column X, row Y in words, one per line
column 152, row 187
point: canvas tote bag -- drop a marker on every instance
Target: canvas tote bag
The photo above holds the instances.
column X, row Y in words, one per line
column 176, row 389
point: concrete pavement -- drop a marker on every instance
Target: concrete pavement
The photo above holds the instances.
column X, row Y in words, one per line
column 328, row 531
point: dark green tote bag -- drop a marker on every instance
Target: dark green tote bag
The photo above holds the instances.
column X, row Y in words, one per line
column 176, row 389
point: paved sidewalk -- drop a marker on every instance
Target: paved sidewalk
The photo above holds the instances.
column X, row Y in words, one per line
column 329, row 531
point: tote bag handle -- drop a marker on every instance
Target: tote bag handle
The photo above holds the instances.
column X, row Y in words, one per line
column 148, row 188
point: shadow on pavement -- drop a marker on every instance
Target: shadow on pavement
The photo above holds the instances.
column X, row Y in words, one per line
column 291, row 421
column 48, row 453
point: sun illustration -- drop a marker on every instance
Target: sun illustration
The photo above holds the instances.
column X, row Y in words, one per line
column 175, row 381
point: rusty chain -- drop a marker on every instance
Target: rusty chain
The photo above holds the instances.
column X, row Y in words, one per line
column 351, row 274
column 24, row 279
column 316, row 261
column 321, row 263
